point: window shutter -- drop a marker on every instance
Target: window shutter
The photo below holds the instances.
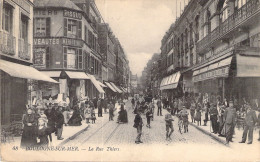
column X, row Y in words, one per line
column 77, row 59
column 65, row 57
column 79, row 24
column 48, row 26
column 80, row 61
column 65, row 27
column 48, row 57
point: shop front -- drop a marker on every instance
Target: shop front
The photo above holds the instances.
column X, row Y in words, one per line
column 14, row 89
column 234, row 78
column 94, row 88
column 170, row 86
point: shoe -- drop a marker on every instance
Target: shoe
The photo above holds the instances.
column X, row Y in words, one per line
column 249, row 143
column 137, row 142
column 242, row 142
column 140, row 141
column 231, row 141
column 227, row 143
column 60, row 138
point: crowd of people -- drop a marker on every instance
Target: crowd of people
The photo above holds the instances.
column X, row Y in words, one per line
column 222, row 115
column 40, row 123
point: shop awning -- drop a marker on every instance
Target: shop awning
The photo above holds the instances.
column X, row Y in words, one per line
column 101, row 84
column 96, row 84
column 218, row 69
column 116, row 88
column 52, row 74
column 171, row 81
column 77, row 75
column 110, row 86
column 22, row 71
column 248, row 66
column 123, row 89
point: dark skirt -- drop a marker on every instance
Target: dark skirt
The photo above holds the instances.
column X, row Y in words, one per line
column 28, row 137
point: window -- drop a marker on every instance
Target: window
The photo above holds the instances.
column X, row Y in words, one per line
column 80, row 59
column 7, row 18
column 24, row 28
column 42, row 26
column 72, row 28
column 240, row 3
column 224, row 12
column 86, row 34
column 70, row 58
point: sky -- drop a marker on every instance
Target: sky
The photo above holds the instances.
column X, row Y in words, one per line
column 139, row 25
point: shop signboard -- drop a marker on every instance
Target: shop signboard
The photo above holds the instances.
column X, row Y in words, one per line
column 72, row 14
column 220, row 72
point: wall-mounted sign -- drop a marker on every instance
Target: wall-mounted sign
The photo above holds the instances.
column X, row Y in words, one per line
column 46, row 41
column 72, row 42
column 72, row 14
column 39, row 57
column 220, row 72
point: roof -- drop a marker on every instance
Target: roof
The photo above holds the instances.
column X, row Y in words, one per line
column 56, row 3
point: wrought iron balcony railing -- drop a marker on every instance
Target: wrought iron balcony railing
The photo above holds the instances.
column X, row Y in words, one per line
column 243, row 13
column 24, row 49
column 7, row 43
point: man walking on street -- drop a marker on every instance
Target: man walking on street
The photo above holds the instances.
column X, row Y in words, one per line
column 138, row 124
column 169, row 125
column 250, row 121
column 99, row 106
column 159, row 105
column 229, row 118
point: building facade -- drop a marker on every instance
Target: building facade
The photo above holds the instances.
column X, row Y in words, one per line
column 215, row 47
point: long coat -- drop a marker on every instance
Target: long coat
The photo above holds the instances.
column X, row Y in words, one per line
column 250, row 118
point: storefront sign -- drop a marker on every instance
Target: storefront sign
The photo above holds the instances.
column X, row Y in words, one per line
column 72, row 14
column 39, row 57
column 46, row 41
column 45, row 12
column 220, row 72
column 72, row 42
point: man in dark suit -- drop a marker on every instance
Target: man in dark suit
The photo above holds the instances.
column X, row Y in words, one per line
column 250, row 121
column 214, row 117
column 229, row 118
column 59, row 123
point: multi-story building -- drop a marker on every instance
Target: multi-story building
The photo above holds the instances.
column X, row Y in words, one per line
column 66, row 46
column 16, row 57
column 215, row 46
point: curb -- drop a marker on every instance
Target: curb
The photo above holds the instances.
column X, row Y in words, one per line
column 73, row 136
column 210, row 134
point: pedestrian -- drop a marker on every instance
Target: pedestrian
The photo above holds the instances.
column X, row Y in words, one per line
column 42, row 134
column 169, row 125
column 175, row 106
column 75, row 119
column 207, row 107
column 29, row 136
column 183, row 114
column 214, row 117
column 148, row 116
column 122, row 115
column 250, row 121
column 105, row 105
column 99, row 106
column 87, row 114
column 180, row 105
column 198, row 114
column 51, row 121
column 171, row 105
column 43, row 117
column 159, row 106
column 93, row 115
column 220, row 118
column 138, row 124
column 66, row 116
column 59, row 123
column 192, row 110
column 133, row 103
column 151, row 106
column 111, row 108
column 229, row 119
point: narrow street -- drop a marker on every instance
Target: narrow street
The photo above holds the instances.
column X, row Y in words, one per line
column 105, row 132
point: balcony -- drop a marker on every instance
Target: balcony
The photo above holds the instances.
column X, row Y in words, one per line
column 7, row 43
column 233, row 21
column 24, row 50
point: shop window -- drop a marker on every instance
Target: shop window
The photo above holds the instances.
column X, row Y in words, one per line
column 42, row 26
column 7, row 18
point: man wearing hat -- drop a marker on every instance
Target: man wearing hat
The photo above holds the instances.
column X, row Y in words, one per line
column 138, row 124
column 169, row 125
column 213, row 112
column 250, row 121
column 229, row 118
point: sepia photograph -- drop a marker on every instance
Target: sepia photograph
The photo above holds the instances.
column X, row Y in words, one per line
column 130, row 80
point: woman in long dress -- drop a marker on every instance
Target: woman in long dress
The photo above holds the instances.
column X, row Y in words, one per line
column 75, row 119
column 29, row 136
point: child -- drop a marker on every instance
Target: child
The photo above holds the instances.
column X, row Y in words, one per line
column 93, row 116
column 43, row 117
column 87, row 114
column 42, row 138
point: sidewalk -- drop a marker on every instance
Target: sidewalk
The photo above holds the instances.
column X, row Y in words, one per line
column 237, row 135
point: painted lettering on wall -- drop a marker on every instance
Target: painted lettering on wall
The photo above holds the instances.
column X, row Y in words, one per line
column 46, row 41
column 72, row 14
